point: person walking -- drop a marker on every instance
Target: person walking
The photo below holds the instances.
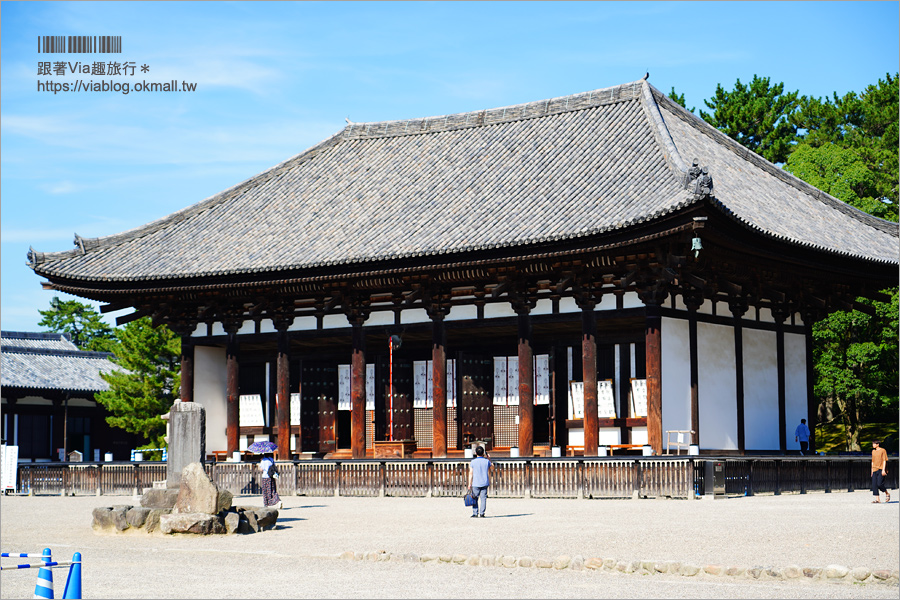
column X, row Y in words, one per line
column 802, row 435
column 480, row 480
column 879, row 472
column 267, row 481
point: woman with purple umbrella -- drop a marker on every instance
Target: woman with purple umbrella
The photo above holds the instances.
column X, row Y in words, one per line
column 269, row 473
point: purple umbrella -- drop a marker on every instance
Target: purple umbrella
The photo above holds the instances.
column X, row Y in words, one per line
column 262, row 447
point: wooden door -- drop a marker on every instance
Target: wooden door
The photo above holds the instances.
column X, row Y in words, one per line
column 475, row 400
column 318, row 406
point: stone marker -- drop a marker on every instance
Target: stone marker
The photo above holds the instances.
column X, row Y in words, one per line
column 186, row 439
column 198, row 494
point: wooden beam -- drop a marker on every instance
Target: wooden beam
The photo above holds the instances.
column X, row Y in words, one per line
column 138, row 314
column 114, row 306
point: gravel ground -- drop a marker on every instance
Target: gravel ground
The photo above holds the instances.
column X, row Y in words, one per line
column 300, row 557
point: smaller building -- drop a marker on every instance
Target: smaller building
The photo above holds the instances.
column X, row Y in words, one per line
column 48, row 387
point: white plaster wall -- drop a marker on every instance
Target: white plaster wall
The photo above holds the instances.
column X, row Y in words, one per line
column 722, row 309
column 568, row 305
column 217, row 329
column 716, row 387
column 794, row 385
column 765, row 315
column 382, row 317
column 248, row 326
column 209, row 390
column 461, row 313
column 498, row 309
column 414, row 315
column 576, row 436
column 706, row 308
column 335, row 321
column 299, row 324
column 610, row 435
column 607, row 302
column 266, row 326
column 639, row 436
column 676, row 375
column 760, row 390
column 631, row 300
column 544, row 306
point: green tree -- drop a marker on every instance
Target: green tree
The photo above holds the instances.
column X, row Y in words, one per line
column 148, row 383
column 759, row 116
column 679, row 99
column 856, row 364
column 81, row 321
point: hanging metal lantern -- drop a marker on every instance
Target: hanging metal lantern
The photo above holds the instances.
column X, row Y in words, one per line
column 696, row 246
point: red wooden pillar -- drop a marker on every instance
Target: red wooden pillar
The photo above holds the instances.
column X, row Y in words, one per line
column 589, row 370
column 526, row 384
column 653, row 345
column 232, row 393
column 187, row 369
column 439, row 386
column 358, row 391
column 283, row 396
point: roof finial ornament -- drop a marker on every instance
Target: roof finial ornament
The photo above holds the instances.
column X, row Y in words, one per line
column 79, row 241
column 698, row 180
column 348, row 120
column 646, row 76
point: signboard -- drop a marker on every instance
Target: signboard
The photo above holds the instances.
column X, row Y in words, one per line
column 606, row 400
column 9, row 465
column 423, row 389
column 344, row 387
column 639, row 397
column 506, row 380
column 251, row 411
column 295, row 409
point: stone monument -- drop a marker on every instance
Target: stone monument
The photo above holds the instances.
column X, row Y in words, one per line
column 186, row 439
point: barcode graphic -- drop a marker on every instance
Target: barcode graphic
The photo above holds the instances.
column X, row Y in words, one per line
column 80, row 44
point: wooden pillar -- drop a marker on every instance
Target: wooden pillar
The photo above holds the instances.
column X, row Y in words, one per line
column 589, row 376
column 358, row 391
column 439, row 386
column 738, row 308
column 232, row 393
column 653, row 346
column 811, row 408
column 187, row 369
column 693, row 303
column 780, row 315
column 283, row 395
column 526, row 383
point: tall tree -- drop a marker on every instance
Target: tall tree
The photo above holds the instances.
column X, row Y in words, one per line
column 679, row 99
column 148, row 384
column 81, row 321
column 758, row 116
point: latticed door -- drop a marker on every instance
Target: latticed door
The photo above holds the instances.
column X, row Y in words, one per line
column 475, row 401
column 318, row 406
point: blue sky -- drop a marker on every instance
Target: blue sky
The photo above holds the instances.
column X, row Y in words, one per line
column 275, row 78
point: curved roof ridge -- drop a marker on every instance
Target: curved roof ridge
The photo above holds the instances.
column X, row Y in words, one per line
column 661, row 131
column 87, row 244
column 745, row 153
column 492, row 116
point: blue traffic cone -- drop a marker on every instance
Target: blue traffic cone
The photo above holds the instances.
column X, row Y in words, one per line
column 44, row 586
column 73, row 581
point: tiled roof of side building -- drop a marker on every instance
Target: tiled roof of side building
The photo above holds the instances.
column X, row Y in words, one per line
column 30, row 340
column 51, row 367
column 550, row 170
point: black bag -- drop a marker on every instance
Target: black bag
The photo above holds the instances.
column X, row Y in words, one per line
column 470, row 499
column 272, row 471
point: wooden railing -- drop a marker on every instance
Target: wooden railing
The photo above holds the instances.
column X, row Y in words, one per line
column 624, row 477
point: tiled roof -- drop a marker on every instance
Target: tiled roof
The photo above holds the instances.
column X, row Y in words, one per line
column 25, row 363
column 550, row 170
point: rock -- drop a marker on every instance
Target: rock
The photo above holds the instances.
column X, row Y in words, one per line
column 734, row 571
column 689, row 570
column 673, row 566
column 792, row 572
column 713, row 569
column 199, row 523
column 774, row 573
column 233, row 522
column 371, row 555
column 609, row 563
column 525, row 561
column 118, row 517
column 137, row 516
column 509, row 561
column 812, row 572
column 881, row 574
column 577, row 563
column 649, row 566
column 488, row 561
column 152, row 523
column 594, row 563
column 625, row 566
column 473, row 561
column 198, row 494
column 156, row 498
column 860, row 573
column 384, row 556
column 459, row 558
column 543, row 564
column 429, row 558
column 102, row 519
column 661, row 567
column 266, row 517
column 562, row 562
column 755, row 572
column 836, row 571
column 446, row 558
column 250, row 517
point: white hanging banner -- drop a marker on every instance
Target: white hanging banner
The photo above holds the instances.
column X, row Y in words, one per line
column 501, row 393
column 639, row 397
column 606, row 401
column 451, row 383
column 370, row 386
column 251, row 408
column 295, row 409
column 576, row 400
column 344, row 402
column 423, row 390
column 542, row 379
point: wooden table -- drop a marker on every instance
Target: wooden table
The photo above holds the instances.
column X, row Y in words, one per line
column 394, row 449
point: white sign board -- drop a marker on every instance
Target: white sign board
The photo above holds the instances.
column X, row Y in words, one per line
column 506, row 380
column 9, row 465
column 576, row 400
column 295, row 409
column 252, row 411
column 639, row 397
column 344, row 387
column 606, row 401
